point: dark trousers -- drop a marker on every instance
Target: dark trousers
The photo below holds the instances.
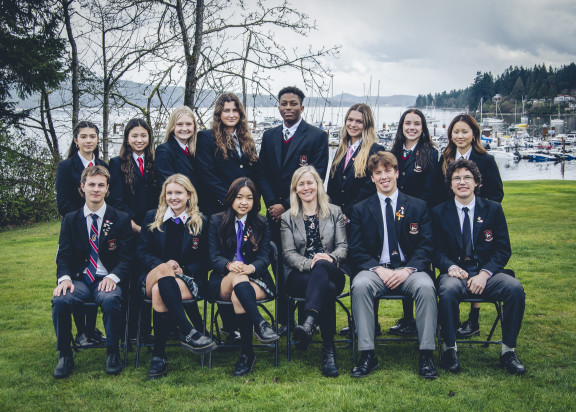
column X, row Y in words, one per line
column 110, row 302
column 500, row 286
column 319, row 287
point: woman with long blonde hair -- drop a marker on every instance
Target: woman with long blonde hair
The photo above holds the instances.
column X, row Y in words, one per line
column 349, row 183
column 173, row 250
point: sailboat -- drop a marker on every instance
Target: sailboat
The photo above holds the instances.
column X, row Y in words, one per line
column 493, row 121
column 558, row 121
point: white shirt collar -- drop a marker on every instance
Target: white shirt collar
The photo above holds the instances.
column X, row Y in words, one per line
column 136, row 157
column 169, row 214
column 291, row 128
column 465, row 155
column 413, row 147
column 243, row 220
column 393, row 197
column 100, row 212
column 182, row 145
column 356, row 144
column 87, row 162
column 470, row 205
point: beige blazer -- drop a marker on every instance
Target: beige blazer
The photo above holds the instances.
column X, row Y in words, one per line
column 293, row 233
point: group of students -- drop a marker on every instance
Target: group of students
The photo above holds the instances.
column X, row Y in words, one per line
column 193, row 205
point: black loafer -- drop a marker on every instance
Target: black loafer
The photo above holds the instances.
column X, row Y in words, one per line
column 265, row 333
column 367, row 363
column 158, row 367
column 329, row 368
column 64, row 367
column 83, row 340
column 404, row 327
column 245, row 364
column 196, row 342
column 97, row 337
column 512, row 364
column 426, row 368
column 113, row 364
column 450, row 360
column 303, row 333
column 467, row 330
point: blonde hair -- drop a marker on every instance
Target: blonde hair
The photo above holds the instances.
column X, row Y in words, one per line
column 368, row 139
column 194, row 222
column 322, row 198
column 184, row 110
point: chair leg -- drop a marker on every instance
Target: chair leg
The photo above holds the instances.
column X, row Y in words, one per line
column 498, row 307
column 289, row 322
column 126, row 340
column 138, row 332
column 211, row 332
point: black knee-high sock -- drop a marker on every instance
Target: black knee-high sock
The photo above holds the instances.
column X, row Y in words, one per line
column 247, row 297
column 408, row 306
column 474, row 315
column 246, row 328
column 161, row 330
column 172, row 298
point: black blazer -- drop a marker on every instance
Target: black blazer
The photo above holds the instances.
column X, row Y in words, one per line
column 489, row 237
column 367, row 233
column 491, row 188
column 68, row 176
column 221, row 255
column 193, row 255
column 170, row 159
column 415, row 182
column 144, row 198
column 215, row 174
column 114, row 249
column 344, row 189
column 309, row 146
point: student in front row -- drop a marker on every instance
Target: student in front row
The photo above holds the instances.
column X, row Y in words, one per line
column 472, row 248
column 93, row 260
column 391, row 247
column 173, row 250
column 239, row 241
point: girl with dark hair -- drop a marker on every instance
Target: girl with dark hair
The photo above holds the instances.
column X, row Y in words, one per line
column 83, row 152
column 225, row 152
column 464, row 142
column 239, row 242
column 349, row 183
column 173, row 252
column 418, row 176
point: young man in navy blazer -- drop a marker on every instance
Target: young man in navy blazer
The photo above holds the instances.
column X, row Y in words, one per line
column 390, row 246
column 472, row 248
column 93, row 258
column 284, row 149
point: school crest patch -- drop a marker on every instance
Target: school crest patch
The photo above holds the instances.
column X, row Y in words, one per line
column 195, row 242
column 414, row 228
column 488, row 236
column 303, row 160
column 112, row 244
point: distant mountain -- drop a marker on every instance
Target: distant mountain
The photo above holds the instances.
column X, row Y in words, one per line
column 138, row 94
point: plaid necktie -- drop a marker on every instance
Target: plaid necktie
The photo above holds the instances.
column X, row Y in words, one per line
column 93, row 261
column 348, row 155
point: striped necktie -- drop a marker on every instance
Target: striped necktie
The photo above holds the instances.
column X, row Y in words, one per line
column 93, row 262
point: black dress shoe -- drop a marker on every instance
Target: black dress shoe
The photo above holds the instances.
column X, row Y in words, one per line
column 426, row 368
column 512, row 364
column 64, row 367
column 345, row 331
column 158, row 367
column 303, row 333
column 97, row 337
column 467, row 330
column 234, row 338
column 265, row 333
column 329, row 368
column 196, row 342
column 113, row 364
column 404, row 327
column 83, row 340
column 245, row 364
column 367, row 363
column 450, row 360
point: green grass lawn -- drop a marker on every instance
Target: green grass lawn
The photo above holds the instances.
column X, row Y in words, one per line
column 541, row 217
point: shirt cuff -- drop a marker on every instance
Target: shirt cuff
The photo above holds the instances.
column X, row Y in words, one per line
column 487, row 271
column 63, row 278
column 112, row 276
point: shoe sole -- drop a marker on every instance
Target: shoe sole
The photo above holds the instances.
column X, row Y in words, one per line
column 469, row 335
column 152, row 376
column 368, row 374
column 429, row 377
column 114, row 372
column 247, row 372
column 199, row 349
column 395, row 333
column 301, row 338
column 266, row 340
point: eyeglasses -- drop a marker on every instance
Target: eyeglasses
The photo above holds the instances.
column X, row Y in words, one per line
column 466, row 179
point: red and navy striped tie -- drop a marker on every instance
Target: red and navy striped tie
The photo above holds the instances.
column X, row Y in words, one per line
column 93, row 263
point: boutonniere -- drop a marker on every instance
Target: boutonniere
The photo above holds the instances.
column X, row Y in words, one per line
column 400, row 213
column 479, row 220
column 106, row 227
column 248, row 233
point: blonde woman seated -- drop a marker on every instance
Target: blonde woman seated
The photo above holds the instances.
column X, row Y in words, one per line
column 173, row 250
column 314, row 246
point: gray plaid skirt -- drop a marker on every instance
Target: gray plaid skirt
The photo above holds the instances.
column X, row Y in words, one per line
column 190, row 283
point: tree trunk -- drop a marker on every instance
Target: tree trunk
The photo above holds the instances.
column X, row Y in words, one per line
column 106, row 96
column 192, row 54
column 74, row 64
column 244, row 64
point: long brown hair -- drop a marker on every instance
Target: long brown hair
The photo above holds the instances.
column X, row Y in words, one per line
column 368, row 139
column 450, row 151
column 424, row 153
column 224, row 140
column 126, row 151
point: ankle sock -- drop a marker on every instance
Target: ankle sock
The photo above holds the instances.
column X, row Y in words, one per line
column 247, row 297
column 172, row 298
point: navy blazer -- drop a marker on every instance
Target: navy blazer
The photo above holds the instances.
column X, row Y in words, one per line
column 215, row 173
column 137, row 203
column 114, row 249
column 415, row 182
column 193, row 254
column 491, row 188
column 170, row 159
column 344, row 189
column 489, row 237
column 309, row 146
column 414, row 231
column 68, row 176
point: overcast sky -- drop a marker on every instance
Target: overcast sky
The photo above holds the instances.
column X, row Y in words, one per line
column 424, row 46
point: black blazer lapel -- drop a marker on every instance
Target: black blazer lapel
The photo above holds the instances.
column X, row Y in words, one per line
column 278, row 141
column 296, row 141
column 376, row 212
column 480, row 213
column 453, row 220
column 81, row 227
